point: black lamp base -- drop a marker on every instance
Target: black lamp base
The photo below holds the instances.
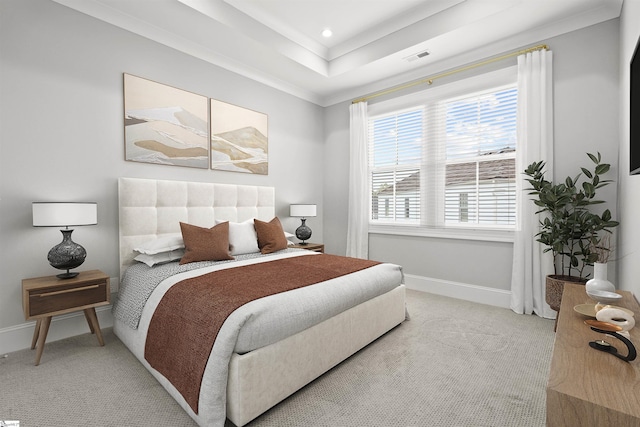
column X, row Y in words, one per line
column 66, row 255
column 303, row 232
column 67, row 275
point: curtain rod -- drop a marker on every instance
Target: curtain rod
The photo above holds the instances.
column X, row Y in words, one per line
column 429, row 80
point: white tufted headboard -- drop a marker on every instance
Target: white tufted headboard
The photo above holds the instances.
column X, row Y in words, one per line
column 151, row 208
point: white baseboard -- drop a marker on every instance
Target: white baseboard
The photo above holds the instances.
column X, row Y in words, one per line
column 464, row 291
column 19, row 337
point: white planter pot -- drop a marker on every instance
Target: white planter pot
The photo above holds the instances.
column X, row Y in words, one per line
column 599, row 281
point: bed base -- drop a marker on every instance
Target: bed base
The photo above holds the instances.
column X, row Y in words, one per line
column 260, row 379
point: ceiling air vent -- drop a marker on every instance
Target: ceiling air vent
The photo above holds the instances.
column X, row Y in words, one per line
column 417, row 56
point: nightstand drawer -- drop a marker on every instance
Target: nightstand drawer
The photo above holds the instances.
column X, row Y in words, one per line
column 50, row 296
column 65, row 297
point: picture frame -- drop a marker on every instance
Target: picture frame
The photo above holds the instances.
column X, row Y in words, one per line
column 239, row 139
column 165, row 125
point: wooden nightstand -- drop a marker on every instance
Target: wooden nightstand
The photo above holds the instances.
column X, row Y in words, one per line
column 315, row 247
column 44, row 297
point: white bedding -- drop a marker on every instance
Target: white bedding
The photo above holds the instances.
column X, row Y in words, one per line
column 259, row 323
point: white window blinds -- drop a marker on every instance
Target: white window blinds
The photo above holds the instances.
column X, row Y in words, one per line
column 447, row 161
column 395, row 158
column 479, row 136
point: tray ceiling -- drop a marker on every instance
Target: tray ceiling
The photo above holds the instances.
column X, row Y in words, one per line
column 279, row 42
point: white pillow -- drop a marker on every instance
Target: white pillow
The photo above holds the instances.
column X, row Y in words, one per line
column 242, row 237
column 160, row 258
column 289, row 236
column 161, row 244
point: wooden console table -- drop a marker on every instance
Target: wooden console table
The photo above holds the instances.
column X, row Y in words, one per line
column 588, row 387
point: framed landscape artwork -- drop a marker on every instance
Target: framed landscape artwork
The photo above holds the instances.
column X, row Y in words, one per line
column 165, row 125
column 239, row 139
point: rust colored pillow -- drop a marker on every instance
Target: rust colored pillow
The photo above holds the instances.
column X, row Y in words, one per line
column 270, row 236
column 205, row 244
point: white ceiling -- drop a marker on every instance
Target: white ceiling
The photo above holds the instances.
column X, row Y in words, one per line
column 279, row 42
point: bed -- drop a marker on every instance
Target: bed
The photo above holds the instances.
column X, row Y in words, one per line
column 266, row 349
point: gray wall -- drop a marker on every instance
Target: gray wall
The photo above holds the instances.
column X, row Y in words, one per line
column 628, row 251
column 586, row 120
column 61, row 134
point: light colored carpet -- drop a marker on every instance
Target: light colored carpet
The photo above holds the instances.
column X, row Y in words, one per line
column 454, row 363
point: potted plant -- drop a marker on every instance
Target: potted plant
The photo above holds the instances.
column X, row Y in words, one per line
column 568, row 228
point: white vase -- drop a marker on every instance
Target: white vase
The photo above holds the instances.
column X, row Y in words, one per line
column 599, row 281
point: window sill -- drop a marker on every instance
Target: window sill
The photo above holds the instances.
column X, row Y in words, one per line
column 449, row 233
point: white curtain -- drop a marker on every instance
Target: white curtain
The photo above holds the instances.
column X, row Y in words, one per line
column 358, row 220
column 535, row 143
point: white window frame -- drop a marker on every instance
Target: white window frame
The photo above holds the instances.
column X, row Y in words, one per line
column 478, row 83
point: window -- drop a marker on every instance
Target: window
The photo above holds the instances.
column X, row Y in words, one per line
column 396, row 166
column 446, row 158
column 463, row 207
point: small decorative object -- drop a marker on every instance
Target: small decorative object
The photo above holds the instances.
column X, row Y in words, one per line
column 613, row 331
column 68, row 254
column 617, row 317
column 590, row 310
column 303, row 211
column 602, row 250
column 599, row 281
column 604, row 297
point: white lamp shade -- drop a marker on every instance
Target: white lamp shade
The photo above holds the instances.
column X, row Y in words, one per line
column 57, row 214
column 303, row 211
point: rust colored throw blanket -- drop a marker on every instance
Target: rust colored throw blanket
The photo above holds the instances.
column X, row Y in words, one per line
column 187, row 320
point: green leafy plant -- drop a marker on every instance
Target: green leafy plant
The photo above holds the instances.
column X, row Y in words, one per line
column 568, row 228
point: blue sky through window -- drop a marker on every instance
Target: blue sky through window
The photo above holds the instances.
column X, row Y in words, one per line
column 481, row 125
column 397, row 139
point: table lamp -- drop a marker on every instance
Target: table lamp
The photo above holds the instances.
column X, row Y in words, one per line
column 303, row 211
column 68, row 254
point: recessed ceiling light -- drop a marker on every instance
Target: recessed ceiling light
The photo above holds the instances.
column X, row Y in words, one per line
column 327, row 32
